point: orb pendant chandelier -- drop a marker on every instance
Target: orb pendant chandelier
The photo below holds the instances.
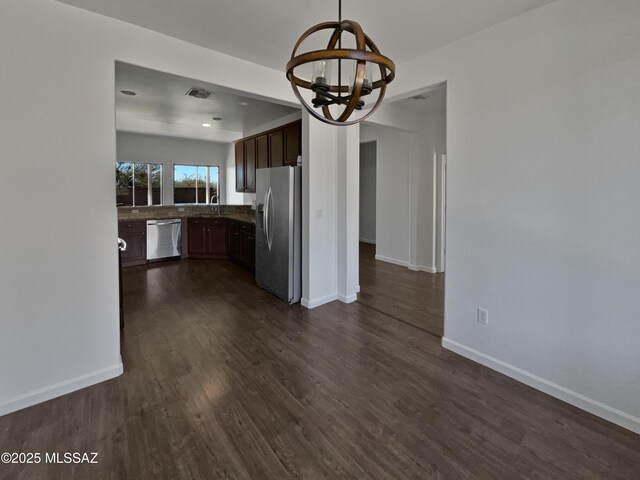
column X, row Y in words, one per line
column 360, row 64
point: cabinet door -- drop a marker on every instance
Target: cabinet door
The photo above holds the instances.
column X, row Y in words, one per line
column 250, row 165
column 262, row 151
column 276, row 151
column 197, row 240
column 217, row 239
column 240, row 180
column 292, row 147
column 252, row 248
column 245, row 249
column 136, row 252
column 234, row 243
column 134, row 232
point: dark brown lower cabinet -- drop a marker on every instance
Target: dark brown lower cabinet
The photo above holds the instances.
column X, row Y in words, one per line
column 242, row 244
column 207, row 237
column 134, row 232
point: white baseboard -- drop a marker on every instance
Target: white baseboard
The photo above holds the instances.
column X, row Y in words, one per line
column 415, row 268
column 365, row 240
column 348, row 299
column 576, row 399
column 318, row 301
column 419, row 268
column 392, row 260
column 58, row 389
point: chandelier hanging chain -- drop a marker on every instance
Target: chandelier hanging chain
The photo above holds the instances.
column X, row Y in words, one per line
column 340, row 47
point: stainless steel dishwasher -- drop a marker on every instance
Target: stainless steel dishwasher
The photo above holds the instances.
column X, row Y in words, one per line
column 164, row 238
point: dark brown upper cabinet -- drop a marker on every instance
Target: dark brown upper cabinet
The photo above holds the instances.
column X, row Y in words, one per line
column 262, row 151
column 276, row 152
column 246, row 165
column 273, row 148
column 250, row 165
column 240, row 181
column 292, row 143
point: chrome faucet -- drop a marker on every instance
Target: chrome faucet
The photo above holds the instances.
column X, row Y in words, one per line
column 216, row 206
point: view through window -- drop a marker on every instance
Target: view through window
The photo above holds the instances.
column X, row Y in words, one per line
column 138, row 184
column 195, row 184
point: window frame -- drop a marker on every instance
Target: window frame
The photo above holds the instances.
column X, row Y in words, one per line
column 149, row 184
column 207, row 184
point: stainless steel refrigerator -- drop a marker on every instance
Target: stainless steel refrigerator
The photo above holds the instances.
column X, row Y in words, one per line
column 278, row 231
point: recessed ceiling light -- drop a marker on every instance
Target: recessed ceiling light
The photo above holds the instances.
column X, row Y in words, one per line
column 217, row 119
column 244, row 104
column 206, row 124
column 420, row 97
column 127, row 92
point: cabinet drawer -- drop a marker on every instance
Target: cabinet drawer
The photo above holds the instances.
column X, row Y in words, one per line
column 242, row 226
column 131, row 226
column 206, row 221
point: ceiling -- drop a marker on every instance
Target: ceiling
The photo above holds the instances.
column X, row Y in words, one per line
column 264, row 32
column 161, row 106
column 433, row 100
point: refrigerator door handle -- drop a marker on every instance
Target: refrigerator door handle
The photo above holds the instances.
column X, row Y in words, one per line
column 267, row 219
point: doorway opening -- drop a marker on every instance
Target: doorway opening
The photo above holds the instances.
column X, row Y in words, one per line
column 403, row 213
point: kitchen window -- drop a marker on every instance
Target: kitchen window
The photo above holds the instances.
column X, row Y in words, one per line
column 138, row 184
column 196, row 184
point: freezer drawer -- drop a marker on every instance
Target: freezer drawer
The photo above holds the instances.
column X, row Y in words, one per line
column 164, row 238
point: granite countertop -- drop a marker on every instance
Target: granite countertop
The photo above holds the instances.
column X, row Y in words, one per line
column 239, row 217
column 163, row 212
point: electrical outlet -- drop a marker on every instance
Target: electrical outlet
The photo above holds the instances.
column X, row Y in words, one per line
column 483, row 316
column 319, row 213
column 181, row 209
column 135, row 211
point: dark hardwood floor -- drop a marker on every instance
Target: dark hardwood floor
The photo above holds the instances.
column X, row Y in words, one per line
column 224, row 381
column 416, row 298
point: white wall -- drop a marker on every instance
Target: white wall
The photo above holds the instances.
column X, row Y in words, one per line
column 330, row 194
column 393, row 167
column 348, row 200
column 368, row 192
column 170, row 151
column 543, row 231
column 319, row 240
column 433, row 141
column 59, row 290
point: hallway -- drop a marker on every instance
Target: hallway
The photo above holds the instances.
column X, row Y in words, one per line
column 415, row 298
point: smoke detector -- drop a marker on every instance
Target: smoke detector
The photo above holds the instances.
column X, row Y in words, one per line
column 199, row 93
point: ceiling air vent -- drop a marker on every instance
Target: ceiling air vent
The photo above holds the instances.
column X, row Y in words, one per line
column 199, row 93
